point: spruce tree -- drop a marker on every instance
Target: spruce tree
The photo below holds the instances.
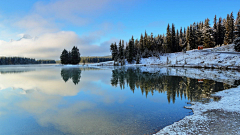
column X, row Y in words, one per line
column 64, row 57
column 215, row 30
column 141, row 43
column 75, row 56
column 130, row 50
column 237, row 26
column 188, row 47
column 177, row 42
column 169, row 38
column 220, row 32
column 208, row 38
column 173, row 34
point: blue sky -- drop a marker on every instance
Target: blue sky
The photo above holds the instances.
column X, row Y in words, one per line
column 92, row 25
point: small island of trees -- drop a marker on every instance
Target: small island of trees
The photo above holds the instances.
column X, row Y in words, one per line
column 71, row 57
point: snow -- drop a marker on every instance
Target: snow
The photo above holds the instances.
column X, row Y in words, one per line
column 200, row 121
column 218, row 57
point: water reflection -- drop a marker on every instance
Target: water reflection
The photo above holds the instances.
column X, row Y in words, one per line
column 71, row 73
column 48, row 100
column 173, row 86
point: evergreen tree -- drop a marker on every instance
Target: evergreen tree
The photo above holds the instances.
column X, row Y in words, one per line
column 181, row 37
column 208, row 38
column 169, row 38
column 75, row 56
column 121, row 52
column 141, row 43
column 220, row 32
column 173, row 47
column 237, row 25
column 215, row 30
column 177, row 42
column 194, row 38
column 130, row 50
column 188, row 47
column 64, row 57
column 229, row 26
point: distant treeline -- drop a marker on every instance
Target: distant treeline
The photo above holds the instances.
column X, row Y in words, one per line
column 95, row 59
column 21, row 60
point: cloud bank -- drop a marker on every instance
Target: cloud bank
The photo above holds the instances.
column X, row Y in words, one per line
column 46, row 21
column 51, row 45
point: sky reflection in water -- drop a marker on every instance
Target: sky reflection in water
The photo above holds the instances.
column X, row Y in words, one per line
column 55, row 100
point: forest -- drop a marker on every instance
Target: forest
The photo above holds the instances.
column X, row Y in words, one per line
column 21, row 60
column 95, row 59
column 222, row 32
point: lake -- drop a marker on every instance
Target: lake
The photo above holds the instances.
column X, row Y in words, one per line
column 50, row 99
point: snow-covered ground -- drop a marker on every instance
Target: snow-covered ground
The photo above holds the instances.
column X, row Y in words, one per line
column 220, row 117
column 218, row 57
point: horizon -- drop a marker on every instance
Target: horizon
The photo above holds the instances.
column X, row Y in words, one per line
column 92, row 26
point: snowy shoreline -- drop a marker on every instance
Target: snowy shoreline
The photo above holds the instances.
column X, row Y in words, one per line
column 221, row 117
column 223, row 57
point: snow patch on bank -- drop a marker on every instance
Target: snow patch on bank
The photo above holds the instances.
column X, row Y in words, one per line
column 200, row 123
column 218, row 57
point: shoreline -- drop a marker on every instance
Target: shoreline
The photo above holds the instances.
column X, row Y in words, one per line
column 216, row 117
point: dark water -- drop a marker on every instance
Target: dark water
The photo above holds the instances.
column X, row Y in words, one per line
column 56, row 100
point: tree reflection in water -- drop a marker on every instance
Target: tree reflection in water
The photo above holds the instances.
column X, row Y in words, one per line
column 71, row 73
column 192, row 89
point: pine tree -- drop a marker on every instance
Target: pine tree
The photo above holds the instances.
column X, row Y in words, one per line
column 64, row 57
column 169, row 38
column 114, row 50
column 75, row 56
column 208, row 38
column 237, row 25
column 120, row 49
column 173, row 47
column 130, row 50
column 141, row 43
column 194, row 33
column 191, row 38
column 215, row 30
column 188, row 47
column 227, row 33
column 220, row 32
column 229, row 26
column 177, row 42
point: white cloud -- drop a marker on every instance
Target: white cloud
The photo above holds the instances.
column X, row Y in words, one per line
column 74, row 11
column 51, row 45
column 46, row 20
column 35, row 24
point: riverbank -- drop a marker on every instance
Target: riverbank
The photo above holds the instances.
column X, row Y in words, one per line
column 221, row 117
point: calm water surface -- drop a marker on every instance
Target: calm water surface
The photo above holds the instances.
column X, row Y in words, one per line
column 56, row 100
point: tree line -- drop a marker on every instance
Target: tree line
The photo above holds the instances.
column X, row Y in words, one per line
column 22, row 60
column 71, row 57
column 223, row 31
column 94, row 59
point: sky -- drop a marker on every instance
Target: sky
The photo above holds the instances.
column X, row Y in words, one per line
column 93, row 25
